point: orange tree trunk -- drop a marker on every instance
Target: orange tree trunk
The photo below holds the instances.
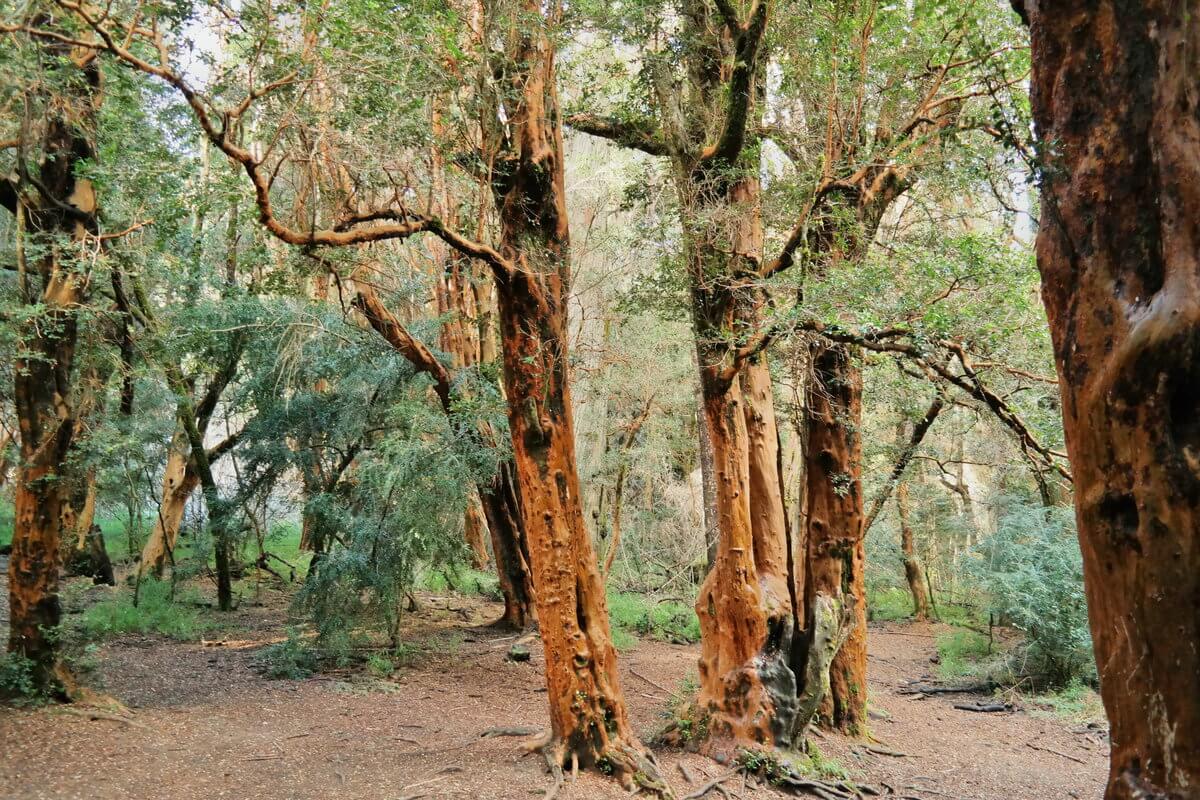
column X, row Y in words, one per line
column 1115, row 92
column 502, row 506
column 835, row 554
column 587, row 710
column 56, row 224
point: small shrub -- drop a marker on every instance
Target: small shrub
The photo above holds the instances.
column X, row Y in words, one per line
column 154, row 613
column 667, row 621
column 16, row 681
column 1033, row 573
column 291, row 659
column 380, row 665
column 889, row 604
column 962, row 653
column 1076, row 701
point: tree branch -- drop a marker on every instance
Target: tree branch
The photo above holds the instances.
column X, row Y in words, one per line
column 219, row 135
column 741, row 82
column 906, row 456
column 640, row 134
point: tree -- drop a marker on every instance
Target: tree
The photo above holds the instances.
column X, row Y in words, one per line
column 531, row 268
column 58, row 235
column 1114, row 101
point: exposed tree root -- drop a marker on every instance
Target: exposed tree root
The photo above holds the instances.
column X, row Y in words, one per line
column 713, row 785
column 636, row 770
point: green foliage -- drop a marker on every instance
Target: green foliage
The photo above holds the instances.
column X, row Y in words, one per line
column 1032, row 571
column 17, row 685
column 889, row 604
column 961, row 653
column 156, row 612
column 380, row 665
column 666, row 620
column 1076, row 701
column 776, row 766
column 292, row 659
column 455, row 577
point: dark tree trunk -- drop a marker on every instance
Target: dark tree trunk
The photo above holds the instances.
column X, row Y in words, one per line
column 54, row 279
column 1116, row 101
column 502, row 507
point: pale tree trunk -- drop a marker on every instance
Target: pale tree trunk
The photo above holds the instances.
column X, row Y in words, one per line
column 1115, row 98
column 914, row 572
column 178, row 483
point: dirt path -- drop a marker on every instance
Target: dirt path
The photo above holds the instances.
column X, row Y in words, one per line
column 207, row 725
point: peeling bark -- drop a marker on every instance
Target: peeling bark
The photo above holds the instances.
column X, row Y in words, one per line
column 1116, row 101
column 835, row 552
column 589, row 724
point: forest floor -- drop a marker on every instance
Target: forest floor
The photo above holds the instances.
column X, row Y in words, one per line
column 199, row 720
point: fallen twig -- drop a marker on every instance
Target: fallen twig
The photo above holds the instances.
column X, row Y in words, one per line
column 686, row 773
column 920, row 688
column 1076, row 759
column 96, row 714
column 984, row 708
column 514, row 731
column 655, row 684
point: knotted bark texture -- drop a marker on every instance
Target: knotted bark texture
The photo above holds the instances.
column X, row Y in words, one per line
column 1116, row 99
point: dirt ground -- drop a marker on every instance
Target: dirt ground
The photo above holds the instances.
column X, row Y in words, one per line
column 199, row 721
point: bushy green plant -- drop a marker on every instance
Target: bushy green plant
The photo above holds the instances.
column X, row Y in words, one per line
column 156, row 612
column 17, row 685
column 888, row 604
column 961, row 653
column 1032, row 572
column 636, row 614
column 291, row 659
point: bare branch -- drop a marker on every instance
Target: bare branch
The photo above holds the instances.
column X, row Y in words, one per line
column 218, row 134
column 640, row 135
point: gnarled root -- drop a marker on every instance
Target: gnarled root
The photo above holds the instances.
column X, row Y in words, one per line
column 635, row 769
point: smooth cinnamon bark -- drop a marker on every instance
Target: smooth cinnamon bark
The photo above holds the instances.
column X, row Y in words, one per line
column 1114, row 91
column 589, row 724
column 178, row 483
column 835, row 551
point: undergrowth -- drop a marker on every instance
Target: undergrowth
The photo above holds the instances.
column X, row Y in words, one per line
column 963, row 653
column 1077, row 702
column 155, row 612
column 17, row 686
column 636, row 615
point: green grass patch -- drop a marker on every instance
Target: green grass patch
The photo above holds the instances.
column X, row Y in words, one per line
column 460, row 579
column 154, row 613
column 636, row 615
column 962, row 653
column 1076, row 702
column 889, row 604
